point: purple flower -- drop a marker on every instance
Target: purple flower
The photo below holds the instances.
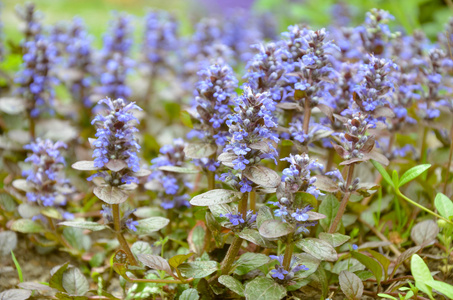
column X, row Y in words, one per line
column 45, row 179
column 286, row 275
column 116, row 142
column 35, row 81
column 171, row 187
column 130, row 223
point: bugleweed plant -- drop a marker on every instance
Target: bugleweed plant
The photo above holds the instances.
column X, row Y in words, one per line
column 227, row 163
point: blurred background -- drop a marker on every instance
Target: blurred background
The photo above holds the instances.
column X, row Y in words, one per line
column 429, row 15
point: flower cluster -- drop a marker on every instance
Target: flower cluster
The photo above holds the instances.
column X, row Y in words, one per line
column 48, row 185
column 375, row 33
column 279, row 273
column 213, row 98
column 115, row 146
column 35, row 79
column 80, row 62
column 160, row 39
column 116, row 63
column 251, row 129
column 28, row 14
column 375, row 86
column 172, row 187
column 264, row 71
column 355, row 144
column 297, row 178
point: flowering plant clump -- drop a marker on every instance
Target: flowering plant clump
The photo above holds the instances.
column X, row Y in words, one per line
column 230, row 161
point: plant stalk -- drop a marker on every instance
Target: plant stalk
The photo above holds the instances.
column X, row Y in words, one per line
column 288, row 252
column 119, row 234
column 237, row 241
column 252, row 200
column 450, row 156
column 344, row 201
column 231, row 255
column 422, row 207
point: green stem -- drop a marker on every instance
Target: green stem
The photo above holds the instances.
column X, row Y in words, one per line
column 424, row 145
column 344, row 201
column 288, row 252
column 252, row 200
column 157, row 280
column 398, row 192
column 231, row 255
column 237, row 241
column 119, row 234
column 450, row 156
column 31, row 128
column 307, row 113
column 211, row 180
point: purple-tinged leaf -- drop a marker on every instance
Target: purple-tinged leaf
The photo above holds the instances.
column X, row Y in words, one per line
column 110, row 194
column 262, row 176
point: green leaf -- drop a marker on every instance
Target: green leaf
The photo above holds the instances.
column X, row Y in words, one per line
column 176, row 260
column 318, row 248
column 302, row 199
column 146, row 226
column 387, row 296
column 198, row 269
column 383, row 172
column 110, row 194
column 189, row 294
column 140, row 247
column 444, row 205
column 370, row 263
column 395, row 178
column 384, row 261
column 76, row 238
column 52, row 213
column 27, row 226
column 351, row 285
column 264, row 214
column 15, row 294
column 250, row 261
column 255, row 237
column 18, row 268
column 155, row 262
column 185, row 118
column 311, row 262
column 57, row 278
column 233, row 284
column 93, row 226
column 335, row 239
column 413, row 173
column 74, row 282
column 215, row 197
column 421, row 274
column 263, row 288
column 329, row 207
column 442, row 287
column 272, row 229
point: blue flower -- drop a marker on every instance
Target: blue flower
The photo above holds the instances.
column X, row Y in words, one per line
column 116, row 141
column 45, row 178
column 131, row 224
column 35, row 79
column 285, row 275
